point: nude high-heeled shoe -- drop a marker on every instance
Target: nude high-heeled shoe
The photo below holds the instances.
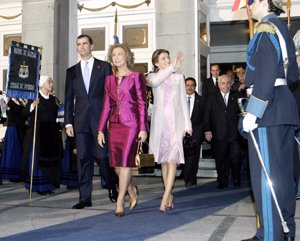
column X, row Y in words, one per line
column 134, row 203
column 171, row 201
column 120, row 213
column 164, row 209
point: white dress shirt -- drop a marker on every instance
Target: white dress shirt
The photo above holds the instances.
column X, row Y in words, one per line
column 225, row 97
column 90, row 65
column 215, row 80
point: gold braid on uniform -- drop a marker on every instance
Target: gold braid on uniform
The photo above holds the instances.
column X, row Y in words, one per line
column 266, row 27
column 269, row 28
column 81, row 6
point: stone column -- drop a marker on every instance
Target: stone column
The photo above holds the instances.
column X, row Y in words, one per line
column 47, row 24
column 175, row 31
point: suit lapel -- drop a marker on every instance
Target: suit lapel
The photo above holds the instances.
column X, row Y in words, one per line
column 80, row 76
column 94, row 74
column 196, row 102
column 212, row 84
column 220, row 99
column 230, row 99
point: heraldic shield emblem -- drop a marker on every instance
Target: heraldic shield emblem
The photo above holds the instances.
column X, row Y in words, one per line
column 23, row 71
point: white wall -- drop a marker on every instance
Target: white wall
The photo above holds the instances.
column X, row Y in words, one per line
column 7, row 27
column 105, row 18
column 228, row 54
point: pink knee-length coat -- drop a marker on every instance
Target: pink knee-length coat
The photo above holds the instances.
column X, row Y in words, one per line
column 181, row 115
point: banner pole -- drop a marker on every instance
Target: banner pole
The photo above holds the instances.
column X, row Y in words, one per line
column 250, row 21
column 34, row 137
column 33, row 149
column 288, row 7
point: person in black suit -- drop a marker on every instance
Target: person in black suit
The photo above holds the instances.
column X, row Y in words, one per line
column 196, row 104
column 210, row 86
column 222, row 116
column 84, row 93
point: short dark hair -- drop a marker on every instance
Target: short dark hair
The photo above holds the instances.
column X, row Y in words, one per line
column 191, row 79
column 86, row 36
column 214, row 64
column 274, row 9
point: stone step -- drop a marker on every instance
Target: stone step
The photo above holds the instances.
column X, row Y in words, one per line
column 207, row 173
column 207, row 164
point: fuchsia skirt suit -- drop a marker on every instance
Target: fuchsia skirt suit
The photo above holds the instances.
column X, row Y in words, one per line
column 124, row 113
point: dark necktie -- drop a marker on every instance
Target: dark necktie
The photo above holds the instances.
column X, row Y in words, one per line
column 189, row 103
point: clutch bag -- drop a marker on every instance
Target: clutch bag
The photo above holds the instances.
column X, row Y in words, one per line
column 142, row 159
column 189, row 146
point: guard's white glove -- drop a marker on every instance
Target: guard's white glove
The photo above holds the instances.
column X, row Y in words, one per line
column 249, row 122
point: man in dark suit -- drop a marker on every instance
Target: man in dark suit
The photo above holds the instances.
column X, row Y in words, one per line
column 196, row 105
column 84, row 93
column 222, row 130
column 210, row 86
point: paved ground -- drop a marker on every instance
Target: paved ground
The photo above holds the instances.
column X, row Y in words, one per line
column 19, row 214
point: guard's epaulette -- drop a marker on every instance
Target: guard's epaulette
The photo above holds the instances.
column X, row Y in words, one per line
column 266, row 27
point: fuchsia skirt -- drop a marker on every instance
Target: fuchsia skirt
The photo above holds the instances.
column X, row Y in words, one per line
column 123, row 143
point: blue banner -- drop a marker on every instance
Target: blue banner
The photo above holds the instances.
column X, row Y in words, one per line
column 23, row 71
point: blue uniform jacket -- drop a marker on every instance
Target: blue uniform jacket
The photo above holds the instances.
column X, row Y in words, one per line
column 264, row 65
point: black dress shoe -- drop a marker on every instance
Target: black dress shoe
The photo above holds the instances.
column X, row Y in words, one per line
column 113, row 195
column 190, row 184
column 15, row 180
column 42, row 193
column 71, row 187
column 45, row 193
column 286, row 238
column 251, row 239
column 237, row 185
column 222, row 186
column 81, row 205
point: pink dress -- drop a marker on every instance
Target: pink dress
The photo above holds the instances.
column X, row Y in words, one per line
column 168, row 150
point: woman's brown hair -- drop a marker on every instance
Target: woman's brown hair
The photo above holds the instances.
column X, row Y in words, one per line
column 155, row 57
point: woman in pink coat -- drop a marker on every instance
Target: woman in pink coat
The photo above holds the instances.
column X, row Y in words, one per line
column 125, row 108
column 170, row 119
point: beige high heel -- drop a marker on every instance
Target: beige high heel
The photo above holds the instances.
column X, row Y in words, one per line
column 134, row 203
column 171, row 201
column 120, row 213
column 164, row 209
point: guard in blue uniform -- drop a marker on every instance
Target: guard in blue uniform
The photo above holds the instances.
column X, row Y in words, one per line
column 272, row 115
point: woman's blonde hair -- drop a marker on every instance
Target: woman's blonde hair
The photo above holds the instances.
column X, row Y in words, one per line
column 129, row 54
column 240, row 71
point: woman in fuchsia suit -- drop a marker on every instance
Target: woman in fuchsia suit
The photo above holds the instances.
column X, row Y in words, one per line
column 125, row 108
